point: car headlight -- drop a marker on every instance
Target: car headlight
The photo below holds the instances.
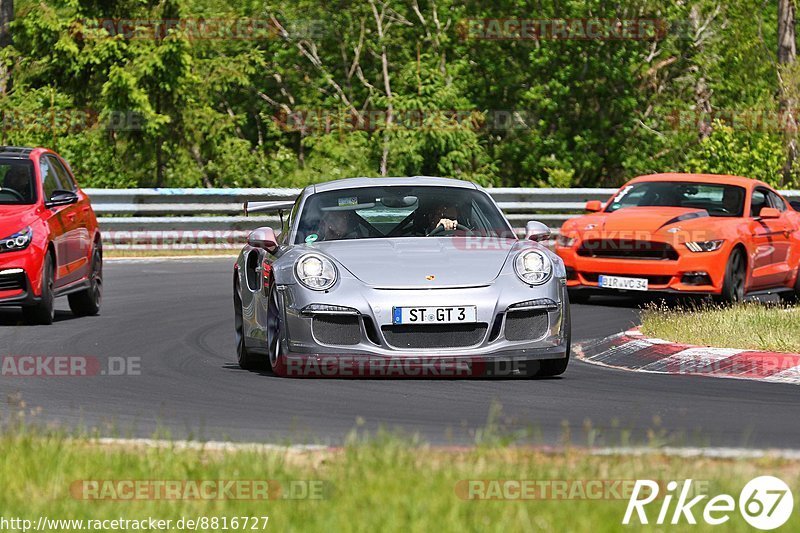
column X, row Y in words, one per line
column 533, row 267
column 565, row 241
column 315, row 272
column 704, row 246
column 18, row 241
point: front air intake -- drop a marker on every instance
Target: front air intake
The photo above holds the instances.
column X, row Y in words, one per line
column 526, row 325
column 338, row 330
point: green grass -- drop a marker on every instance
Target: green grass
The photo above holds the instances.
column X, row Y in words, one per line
column 749, row 326
column 384, row 484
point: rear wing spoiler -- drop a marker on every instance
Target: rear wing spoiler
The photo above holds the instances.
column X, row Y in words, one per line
column 267, row 207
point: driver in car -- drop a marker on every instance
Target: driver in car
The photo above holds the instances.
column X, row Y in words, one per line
column 18, row 180
column 432, row 217
column 732, row 200
column 338, row 225
column 445, row 216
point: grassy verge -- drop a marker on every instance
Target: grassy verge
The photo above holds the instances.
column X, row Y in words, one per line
column 387, row 484
column 750, row 326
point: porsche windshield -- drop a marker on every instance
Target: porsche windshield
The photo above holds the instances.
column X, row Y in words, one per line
column 399, row 211
column 17, row 185
column 718, row 199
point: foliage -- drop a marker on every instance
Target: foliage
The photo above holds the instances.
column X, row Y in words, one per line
column 741, row 153
column 187, row 107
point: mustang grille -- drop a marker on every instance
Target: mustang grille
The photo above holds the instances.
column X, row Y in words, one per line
column 526, row 325
column 627, row 249
column 12, row 282
column 340, row 330
column 434, row 335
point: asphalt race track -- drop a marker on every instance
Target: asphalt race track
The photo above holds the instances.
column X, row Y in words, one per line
column 176, row 316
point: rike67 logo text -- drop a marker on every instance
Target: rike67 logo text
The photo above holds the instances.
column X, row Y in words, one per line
column 766, row 503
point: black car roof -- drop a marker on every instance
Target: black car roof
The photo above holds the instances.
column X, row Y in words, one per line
column 15, row 152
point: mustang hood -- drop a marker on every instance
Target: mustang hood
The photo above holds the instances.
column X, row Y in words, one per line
column 643, row 219
column 410, row 262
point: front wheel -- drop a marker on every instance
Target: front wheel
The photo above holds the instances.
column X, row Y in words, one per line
column 87, row 302
column 549, row 368
column 277, row 358
column 44, row 312
column 793, row 297
column 735, row 275
column 246, row 359
column 578, row 296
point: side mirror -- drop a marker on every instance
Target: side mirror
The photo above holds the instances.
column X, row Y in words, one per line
column 60, row 198
column 263, row 238
column 769, row 212
column 594, row 206
column 536, row 231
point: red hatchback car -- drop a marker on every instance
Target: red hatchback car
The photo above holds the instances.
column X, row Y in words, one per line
column 50, row 243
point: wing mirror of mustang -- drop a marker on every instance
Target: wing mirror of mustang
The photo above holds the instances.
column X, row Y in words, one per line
column 263, row 238
column 594, row 206
column 769, row 212
column 60, row 197
column 536, row 231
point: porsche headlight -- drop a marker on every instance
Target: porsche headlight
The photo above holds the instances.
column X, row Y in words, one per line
column 18, row 241
column 315, row 272
column 533, row 267
column 704, row 246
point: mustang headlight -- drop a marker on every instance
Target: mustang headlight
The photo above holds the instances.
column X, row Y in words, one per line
column 705, row 246
column 315, row 272
column 18, row 241
column 565, row 241
column 533, row 267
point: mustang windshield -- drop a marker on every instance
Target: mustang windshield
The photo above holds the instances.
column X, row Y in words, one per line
column 399, row 211
column 17, row 185
column 719, row 200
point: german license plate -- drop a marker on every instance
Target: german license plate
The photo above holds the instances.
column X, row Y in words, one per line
column 435, row 315
column 628, row 284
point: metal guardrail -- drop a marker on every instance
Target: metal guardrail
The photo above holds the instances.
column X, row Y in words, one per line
column 213, row 218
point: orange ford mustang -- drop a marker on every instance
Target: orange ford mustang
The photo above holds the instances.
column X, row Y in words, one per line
column 726, row 236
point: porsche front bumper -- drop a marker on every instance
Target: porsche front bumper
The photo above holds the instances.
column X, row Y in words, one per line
column 514, row 323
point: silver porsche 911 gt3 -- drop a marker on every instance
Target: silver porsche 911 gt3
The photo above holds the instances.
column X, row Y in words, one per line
column 399, row 276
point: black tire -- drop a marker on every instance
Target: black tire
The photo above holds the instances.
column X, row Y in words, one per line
column 246, row 359
column 44, row 312
column 792, row 297
column 277, row 360
column 88, row 302
column 549, row 368
column 579, row 297
column 735, row 276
